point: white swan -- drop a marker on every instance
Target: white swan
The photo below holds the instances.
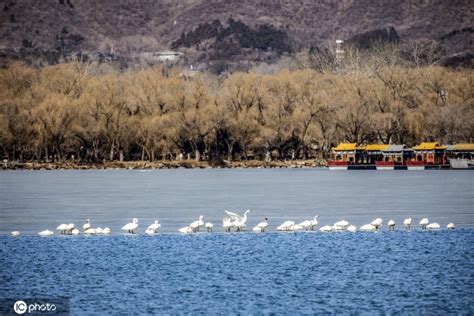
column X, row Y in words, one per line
column 286, row 226
column 368, row 228
column 185, row 230
column 75, row 231
column 197, row 224
column 98, row 230
column 391, row 224
column 239, row 224
column 407, row 222
column 45, row 233
column 313, row 222
column 149, row 231
column 338, row 228
column 70, row 227
column 233, row 216
column 326, row 228
column 237, row 221
column 309, row 224
column 15, row 233
column 262, row 226
column 433, row 226
column 87, row 225
column 106, row 231
column 297, row 227
column 341, row 225
column 450, row 226
column 62, row 228
column 155, row 227
column 131, row 227
column 351, row 228
column 424, row 222
column 305, row 224
column 90, row 231
column 377, row 223
column 227, row 224
column 209, row 226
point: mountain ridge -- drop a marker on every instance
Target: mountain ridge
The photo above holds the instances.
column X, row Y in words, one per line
column 128, row 28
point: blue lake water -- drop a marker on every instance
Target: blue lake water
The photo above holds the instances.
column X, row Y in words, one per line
column 414, row 272
column 36, row 200
column 411, row 272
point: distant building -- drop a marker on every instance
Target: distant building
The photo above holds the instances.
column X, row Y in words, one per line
column 339, row 50
column 164, row 56
column 189, row 73
column 430, row 153
column 460, row 156
column 169, row 56
column 397, row 153
column 343, row 155
column 460, row 151
column 372, row 153
column 394, row 156
column 345, row 152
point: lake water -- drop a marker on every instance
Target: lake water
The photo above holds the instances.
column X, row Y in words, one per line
column 36, row 200
column 285, row 273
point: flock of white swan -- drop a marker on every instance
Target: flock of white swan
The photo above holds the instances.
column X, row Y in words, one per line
column 238, row 223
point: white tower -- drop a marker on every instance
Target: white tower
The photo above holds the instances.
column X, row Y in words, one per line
column 339, row 50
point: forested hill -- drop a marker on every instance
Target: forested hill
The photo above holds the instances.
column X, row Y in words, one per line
column 216, row 33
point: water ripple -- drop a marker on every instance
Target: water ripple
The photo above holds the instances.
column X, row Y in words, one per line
column 305, row 273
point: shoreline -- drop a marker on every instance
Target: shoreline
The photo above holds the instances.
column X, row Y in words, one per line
column 192, row 164
column 144, row 165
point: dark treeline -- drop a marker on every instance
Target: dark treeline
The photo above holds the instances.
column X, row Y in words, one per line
column 264, row 37
column 57, row 112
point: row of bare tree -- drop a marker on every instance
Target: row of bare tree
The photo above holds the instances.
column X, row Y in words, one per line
column 66, row 111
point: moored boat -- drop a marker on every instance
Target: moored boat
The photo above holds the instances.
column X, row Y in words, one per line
column 458, row 163
column 385, row 165
column 425, row 156
column 338, row 165
column 415, row 165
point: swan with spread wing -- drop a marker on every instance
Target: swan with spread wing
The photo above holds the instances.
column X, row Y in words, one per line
column 238, row 221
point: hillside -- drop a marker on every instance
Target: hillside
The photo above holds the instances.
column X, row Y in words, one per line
column 216, row 31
